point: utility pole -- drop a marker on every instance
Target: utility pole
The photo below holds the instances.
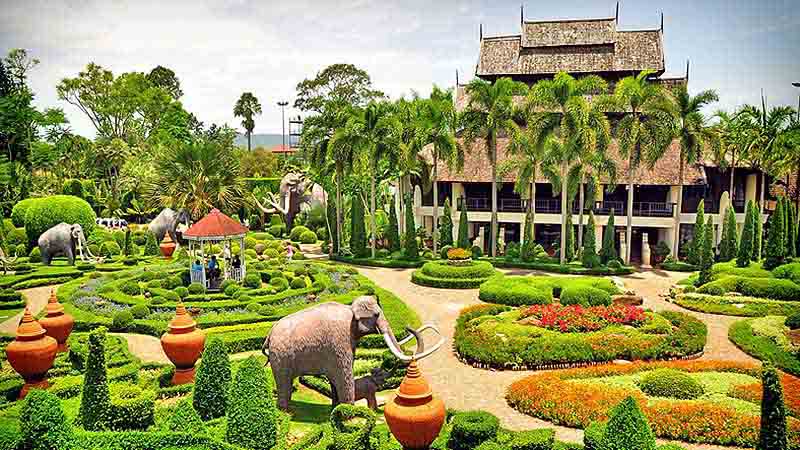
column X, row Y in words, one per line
column 283, row 104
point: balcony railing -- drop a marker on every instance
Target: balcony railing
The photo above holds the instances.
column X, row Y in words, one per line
column 553, row 206
column 654, row 209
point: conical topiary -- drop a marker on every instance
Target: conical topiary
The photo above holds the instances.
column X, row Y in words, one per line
column 95, row 410
column 608, row 252
column 776, row 242
column 745, row 253
column 729, row 245
column 410, row 247
column 151, row 245
column 43, row 424
column 358, row 230
column 589, row 256
column 212, row 380
column 446, row 225
column 186, row 420
column 393, row 231
column 252, row 416
column 696, row 245
column 463, row 227
column 707, row 256
column 791, row 231
column 758, row 235
column 570, row 248
column 772, row 434
column 628, row 429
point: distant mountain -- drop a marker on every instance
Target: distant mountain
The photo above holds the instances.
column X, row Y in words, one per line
column 259, row 140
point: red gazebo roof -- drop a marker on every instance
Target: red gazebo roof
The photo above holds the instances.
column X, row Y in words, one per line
column 215, row 225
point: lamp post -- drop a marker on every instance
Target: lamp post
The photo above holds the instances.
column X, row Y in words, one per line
column 283, row 104
column 797, row 85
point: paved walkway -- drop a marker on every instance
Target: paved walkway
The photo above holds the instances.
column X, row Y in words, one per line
column 467, row 388
column 36, row 298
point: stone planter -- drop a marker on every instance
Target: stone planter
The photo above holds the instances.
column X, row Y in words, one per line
column 415, row 416
column 56, row 322
column 167, row 246
column 459, row 262
column 32, row 353
column 183, row 344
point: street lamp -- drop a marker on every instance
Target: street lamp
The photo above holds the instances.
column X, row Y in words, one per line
column 283, row 104
column 797, row 85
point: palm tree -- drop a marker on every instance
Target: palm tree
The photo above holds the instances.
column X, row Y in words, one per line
column 788, row 157
column 343, row 151
column 572, row 129
column 438, row 124
column 489, row 112
column 731, row 139
column 694, row 135
column 645, row 132
column 246, row 107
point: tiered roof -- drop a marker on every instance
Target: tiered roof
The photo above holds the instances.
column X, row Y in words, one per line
column 215, row 226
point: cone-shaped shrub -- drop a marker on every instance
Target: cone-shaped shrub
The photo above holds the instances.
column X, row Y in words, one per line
column 185, row 419
column 95, row 411
column 463, row 227
column 358, row 231
column 608, row 252
column 393, row 232
column 745, row 253
column 776, row 243
column 707, row 256
column 252, row 417
column 758, row 235
column 696, row 245
column 151, row 246
column 772, row 435
column 212, row 380
column 410, row 248
column 446, row 225
column 628, row 429
column 729, row 245
column 791, row 231
column 43, row 424
column 589, row 256
column 528, row 245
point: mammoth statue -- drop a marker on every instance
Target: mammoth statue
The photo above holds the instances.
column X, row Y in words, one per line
column 295, row 194
column 322, row 340
column 64, row 240
column 166, row 222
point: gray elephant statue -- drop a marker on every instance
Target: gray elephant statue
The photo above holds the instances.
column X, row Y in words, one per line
column 166, row 222
column 322, row 340
column 64, row 240
column 296, row 193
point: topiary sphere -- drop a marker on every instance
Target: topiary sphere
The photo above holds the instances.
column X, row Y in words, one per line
column 670, row 383
column 252, row 280
column 182, row 291
column 308, row 237
column 298, row 283
column 296, row 232
column 231, row 289
column 48, row 212
column 35, row 256
column 20, row 210
column 140, row 311
column 793, row 321
column 196, row 288
column 122, row 320
column 279, row 283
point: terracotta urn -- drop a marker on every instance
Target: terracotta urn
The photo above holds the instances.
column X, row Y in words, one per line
column 415, row 416
column 167, row 246
column 183, row 344
column 32, row 353
column 56, row 322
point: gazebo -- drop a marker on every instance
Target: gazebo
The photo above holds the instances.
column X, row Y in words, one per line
column 212, row 229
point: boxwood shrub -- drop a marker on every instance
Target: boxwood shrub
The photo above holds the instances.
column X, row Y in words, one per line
column 197, row 288
column 212, row 381
column 444, row 275
column 43, row 424
column 46, row 212
column 19, row 211
column 252, row 280
column 252, row 416
column 471, row 429
column 670, row 383
column 132, row 407
column 537, row 290
column 584, row 296
column 308, row 237
column 279, row 283
column 771, row 288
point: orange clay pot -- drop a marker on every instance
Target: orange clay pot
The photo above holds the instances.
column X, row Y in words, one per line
column 415, row 416
column 32, row 353
column 183, row 344
column 57, row 324
column 167, row 246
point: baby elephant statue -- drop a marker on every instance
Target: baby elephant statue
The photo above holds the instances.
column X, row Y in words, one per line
column 322, row 340
column 64, row 240
column 367, row 386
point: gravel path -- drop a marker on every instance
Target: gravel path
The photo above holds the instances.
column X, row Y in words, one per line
column 36, row 299
column 467, row 388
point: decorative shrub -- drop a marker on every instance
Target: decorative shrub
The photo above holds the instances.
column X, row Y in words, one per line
column 793, row 321
column 131, row 407
column 43, row 424
column 351, row 427
column 252, row 280
column 154, row 284
column 296, row 232
column 628, row 428
column 172, row 282
column 541, row 439
column 231, row 289
column 589, row 256
column 46, row 212
column 579, row 319
column 470, row 429
column 271, row 253
column 212, row 380
column 182, row 291
column 250, row 243
column 533, row 290
column 131, row 288
column 772, row 432
column 197, row 288
column 252, row 416
column 410, row 247
column 35, row 256
column 476, row 251
column 298, row 283
column 279, row 283
column 444, row 275
column 95, row 409
column 122, row 320
column 259, row 248
column 308, row 237
column 670, row 383
column 157, row 300
column 140, row 311
column 151, row 247
column 584, row 296
column 608, row 252
column 171, row 296
column 185, row 419
column 253, row 307
column 19, row 211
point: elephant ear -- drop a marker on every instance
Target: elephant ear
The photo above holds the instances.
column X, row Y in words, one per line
column 361, row 310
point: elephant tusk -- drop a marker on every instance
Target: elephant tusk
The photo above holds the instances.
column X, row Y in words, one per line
column 420, row 341
column 420, row 355
column 427, row 326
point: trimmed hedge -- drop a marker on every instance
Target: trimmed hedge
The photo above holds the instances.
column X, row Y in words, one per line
column 381, row 262
column 670, row 383
column 20, row 210
column 736, row 305
column 771, row 288
column 584, row 296
column 46, row 212
column 472, row 428
column 537, row 290
column 43, row 424
column 252, row 417
column 555, row 267
column 444, row 275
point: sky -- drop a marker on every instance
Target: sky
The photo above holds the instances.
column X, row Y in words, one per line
column 220, row 49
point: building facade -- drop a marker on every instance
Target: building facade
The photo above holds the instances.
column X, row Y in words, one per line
column 584, row 47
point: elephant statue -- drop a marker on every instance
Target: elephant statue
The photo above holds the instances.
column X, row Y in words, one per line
column 296, row 193
column 64, row 240
column 322, row 340
column 167, row 221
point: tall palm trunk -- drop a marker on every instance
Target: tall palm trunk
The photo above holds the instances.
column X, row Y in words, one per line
column 532, row 207
column 339, row 176
column 629, row 227
column 493, row 238
column 733, row 169
column 435, row 203
column 761, row 194
column 248, row 141
column 677, row 225
column 372, row 211
column 564, row 212
column 797, row 184
column 580, row 214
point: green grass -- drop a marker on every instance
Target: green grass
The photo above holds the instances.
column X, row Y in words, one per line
column 736, row 305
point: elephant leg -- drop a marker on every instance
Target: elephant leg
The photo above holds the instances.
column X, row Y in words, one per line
column 71, row 258
column 283, row 384
column 334, row 395
column 345, row 386
column 45, row 258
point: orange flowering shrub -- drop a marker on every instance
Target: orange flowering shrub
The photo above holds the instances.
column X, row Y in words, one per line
column 551, row 396
column 458, row 254
column 791, row 393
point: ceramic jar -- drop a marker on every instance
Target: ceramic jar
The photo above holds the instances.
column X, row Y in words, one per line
column 167, row 246
column 183, row 344
column 415, row 416
column 57, row 324
column 32, row 353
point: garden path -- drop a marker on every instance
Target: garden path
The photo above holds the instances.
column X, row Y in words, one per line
column 467, row 388
column 36, row 298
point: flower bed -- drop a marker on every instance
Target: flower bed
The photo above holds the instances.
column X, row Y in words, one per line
column 764, row 339
column 532, row 290
column 575, row 318
column 577, row 397
column 499, row 337
column 465, row 275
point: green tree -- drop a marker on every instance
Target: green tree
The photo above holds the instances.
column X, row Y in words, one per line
column 247, row 107
column 151, row 247
column 166, row 79
column 463, row 227
column 694, row 135
column 570, row 244
column 410, row 247
column 212, row 381
column 776, row 247
column 745, row 253
column 184, row 419
column 696, row 244
column 791, row 230
column 589, row 256
column 393, row 233
column 446, row 225
column 489, row 112
column 252, row 416
column 758, row 235
column 529, row 243
column 335, row 87
column 628, row 429
column 608, row 252
column 358, row 232
column 260, row 162
column 729, row 245
column 95, row 409
column 772, row 433
column 707, row 255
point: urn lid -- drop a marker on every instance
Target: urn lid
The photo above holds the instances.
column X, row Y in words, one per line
column 167, row 239
column 414, row 388
column 182, row 322
column 29, row 329
column 54, row 308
